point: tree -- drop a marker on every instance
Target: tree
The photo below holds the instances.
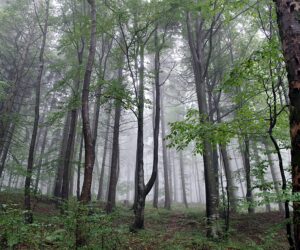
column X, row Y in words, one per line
column 200, row 63
column 166, row 162
column 79, row 44
column 182, row 178
column 89, row 142
column 288, row 22
column 111, row 201
column 44, row 31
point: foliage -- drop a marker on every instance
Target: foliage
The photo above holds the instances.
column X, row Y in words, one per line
column 251, row 81
column 198, row 129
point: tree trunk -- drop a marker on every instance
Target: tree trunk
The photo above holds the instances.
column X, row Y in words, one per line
column 69, row 153
column 27, row 204
column 273, row 173
column 165, row 158
column 174, row 178
column 41, row 160
column 140, row 195
column 89, row 142
column 170, row 168
column 289, row 26
column 60, row 168
column 239, row 174
column 155, row 195
column 198, row 181
column 182, row 177
column 101, row 180
column 79, row 168
column 196, row 49
column 111, row 200
column 156, row 102
column 247, row 165
column 229, row 179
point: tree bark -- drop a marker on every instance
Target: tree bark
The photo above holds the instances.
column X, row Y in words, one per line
column 165, row 158
column 273, row 173
column 197, row 52
column 229, row 179
column 239, row 174
column 101, row 180
column 140, row 184
column 27, row 204
column 289, row 27
column 111, row 200
column 39, row 166
column 60, row 169
column 182, row 177
column 69, row 153
column 89, row 142
column 157, row 99
column 79, row 168
column 228, row 173
column 171, row 184
column 198, row 181
column 174, row 178
column 247, row 165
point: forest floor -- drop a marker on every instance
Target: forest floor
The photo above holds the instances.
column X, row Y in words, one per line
column 176, row 229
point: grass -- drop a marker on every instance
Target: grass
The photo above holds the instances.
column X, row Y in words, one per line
column 176, row 229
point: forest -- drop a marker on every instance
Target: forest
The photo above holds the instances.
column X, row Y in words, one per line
column 150, row 124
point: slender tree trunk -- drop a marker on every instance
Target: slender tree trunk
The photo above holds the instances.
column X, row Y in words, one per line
column 165, row 158
column 118, row 165
column 155, row 152
column 174, row 178
column 194, row 180
column 198, row 181
column 156, row 122
column 101, row 180
column 27, row 203
column 111, row 201
column 155, row 195
column 229, row 179
column 140, row 184
column 182, row 177
column 238, row 170
column 108, row 174
column 69, row 153
column 196, row 49
column 89, row 142
column 128, row 185
column 169, row 165
column 60, row 168
column 79, row 168
column 41, row 160
column 71, row 177
column 247, row 165
column 228, row 173
column 215, row 163
column 273, row 173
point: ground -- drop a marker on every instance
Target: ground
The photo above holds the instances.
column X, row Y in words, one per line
column 178, row 228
